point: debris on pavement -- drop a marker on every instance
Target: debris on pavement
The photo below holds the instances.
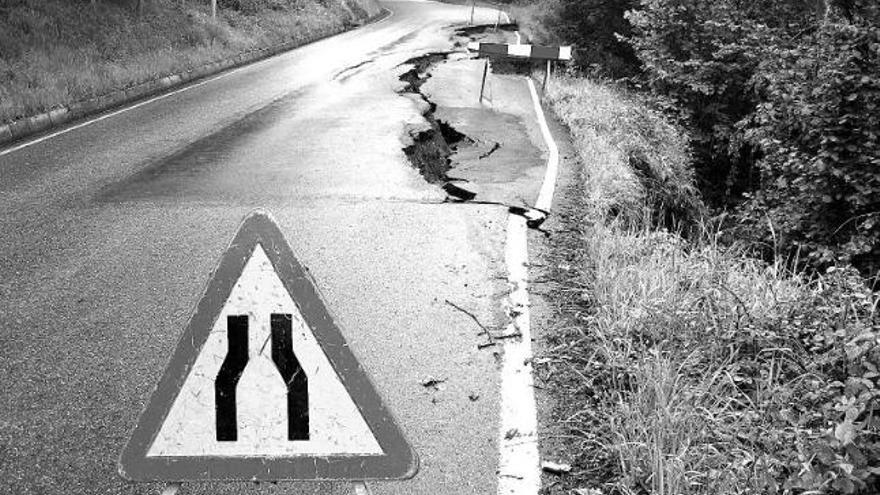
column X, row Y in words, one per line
column 433, row 383
column 534, row 216
column 555, row 468
column 493, row 149
column 458, row 193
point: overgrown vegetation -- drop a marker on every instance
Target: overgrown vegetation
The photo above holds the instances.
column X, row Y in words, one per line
column 732, row 348
column 780, row 99
column 686, row 365
column 55, row 52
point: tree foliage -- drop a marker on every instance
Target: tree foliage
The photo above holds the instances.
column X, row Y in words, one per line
column 781, row 97
column 595, row 26
column 818, row 128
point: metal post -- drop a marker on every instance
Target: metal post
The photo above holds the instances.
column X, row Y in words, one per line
column 498, row 20
column 473, row 6
column 546, row 77
column 213, row 9
column 483, row 84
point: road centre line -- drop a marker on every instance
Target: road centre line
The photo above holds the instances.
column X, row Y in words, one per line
column 162, row 96
column 519, row 470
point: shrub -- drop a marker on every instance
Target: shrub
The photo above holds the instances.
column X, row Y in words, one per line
column 781, row 98
column 818, row 128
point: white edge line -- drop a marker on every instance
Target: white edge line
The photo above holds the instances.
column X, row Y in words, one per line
column 519, row 471
column 519, row 463
column 507, row 21
column 545, row 197
column 162, row 96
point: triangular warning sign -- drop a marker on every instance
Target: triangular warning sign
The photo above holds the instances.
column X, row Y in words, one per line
column 263, row 386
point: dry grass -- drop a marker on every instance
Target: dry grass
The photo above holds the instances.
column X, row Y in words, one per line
column 55, row 52
column 645, row 159
column 689, row 367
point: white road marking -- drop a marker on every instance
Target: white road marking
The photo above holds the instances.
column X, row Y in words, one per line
column 121, row 110
column 336, row 426
column 519, row 463
column 545, row 197
column 519, row 471
column 507, row 21
column 155, row 99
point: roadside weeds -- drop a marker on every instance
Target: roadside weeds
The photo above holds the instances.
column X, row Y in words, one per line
column 684, row 366
column 130, row 58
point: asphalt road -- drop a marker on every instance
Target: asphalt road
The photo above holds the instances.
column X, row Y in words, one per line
column 110, row 232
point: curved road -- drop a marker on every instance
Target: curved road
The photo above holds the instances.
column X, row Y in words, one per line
column 110, row 232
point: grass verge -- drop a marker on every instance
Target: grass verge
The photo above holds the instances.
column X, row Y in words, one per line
column 56, row 52
column 682, row 365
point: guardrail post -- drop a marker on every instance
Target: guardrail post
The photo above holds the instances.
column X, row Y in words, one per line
column 546, row 77
column 483, row 84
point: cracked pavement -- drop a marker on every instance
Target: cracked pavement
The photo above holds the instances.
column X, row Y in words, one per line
column 111, row 231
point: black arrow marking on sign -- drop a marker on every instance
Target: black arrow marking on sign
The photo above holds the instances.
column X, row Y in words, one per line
column 293, row 375
column 228, row 376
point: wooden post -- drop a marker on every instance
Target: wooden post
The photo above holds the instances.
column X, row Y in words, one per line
column 546, row 77
column 214, row 9
column 483, row 84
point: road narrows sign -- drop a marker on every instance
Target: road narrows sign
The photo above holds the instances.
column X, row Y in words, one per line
column 262, row 384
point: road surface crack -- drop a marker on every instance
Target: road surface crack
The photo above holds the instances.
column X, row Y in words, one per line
column 432, row 146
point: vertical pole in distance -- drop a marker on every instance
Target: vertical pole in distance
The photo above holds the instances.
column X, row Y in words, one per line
column 483, row 84
column 213, row 9
column 497, row 20
column 473, row 6
column 546, row 77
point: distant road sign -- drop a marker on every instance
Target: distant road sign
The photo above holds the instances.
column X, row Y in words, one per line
column 522, row 51
column 262, row 384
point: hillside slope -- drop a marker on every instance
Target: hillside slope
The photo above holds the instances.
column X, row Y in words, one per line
column 54, row 52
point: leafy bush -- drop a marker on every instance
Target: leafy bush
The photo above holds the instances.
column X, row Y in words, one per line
column 818, row 128
column 781, row 98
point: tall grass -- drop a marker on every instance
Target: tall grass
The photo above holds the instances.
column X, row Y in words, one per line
column 688, row 366
column 55, row 52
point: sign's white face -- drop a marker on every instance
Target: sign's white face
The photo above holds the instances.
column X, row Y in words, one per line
column 335, row 425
